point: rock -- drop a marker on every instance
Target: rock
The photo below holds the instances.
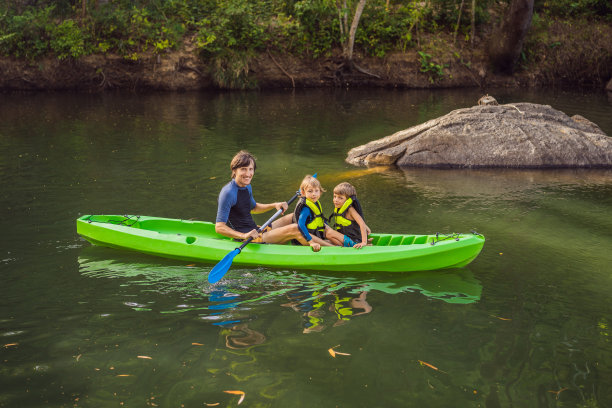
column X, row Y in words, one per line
column 521, row 135
column 609, row 86
column 487, row 100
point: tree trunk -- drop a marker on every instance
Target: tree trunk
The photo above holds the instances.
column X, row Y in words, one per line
column 458, row 22
column 506, row 43
column 353, row 31
column 473, row 21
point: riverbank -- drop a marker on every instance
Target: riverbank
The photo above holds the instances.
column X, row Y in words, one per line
column 564, row 53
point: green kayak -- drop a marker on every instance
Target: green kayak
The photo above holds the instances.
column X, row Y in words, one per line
column 197, row 241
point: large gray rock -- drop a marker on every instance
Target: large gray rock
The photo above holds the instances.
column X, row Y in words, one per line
column 513, row 135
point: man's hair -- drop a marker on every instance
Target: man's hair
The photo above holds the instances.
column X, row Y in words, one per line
column 242, row 159
column 346, row 189
column 310, row 181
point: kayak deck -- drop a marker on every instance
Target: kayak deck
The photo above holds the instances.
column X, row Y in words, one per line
column 197, row 241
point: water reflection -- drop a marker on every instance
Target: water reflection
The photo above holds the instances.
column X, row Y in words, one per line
column 494, row 182
column 322, row 300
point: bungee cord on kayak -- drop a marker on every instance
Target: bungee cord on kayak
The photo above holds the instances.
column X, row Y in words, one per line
column 127, row 218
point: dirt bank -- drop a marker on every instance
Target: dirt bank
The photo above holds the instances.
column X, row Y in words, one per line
column 558, row 56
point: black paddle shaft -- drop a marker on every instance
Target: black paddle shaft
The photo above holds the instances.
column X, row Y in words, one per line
column 245, row 243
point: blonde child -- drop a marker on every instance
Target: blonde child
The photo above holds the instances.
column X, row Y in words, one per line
column 308, row 214
column 347, row 218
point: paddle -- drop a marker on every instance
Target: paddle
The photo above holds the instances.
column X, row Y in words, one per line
column 220, row 269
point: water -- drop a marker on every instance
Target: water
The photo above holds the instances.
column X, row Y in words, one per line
column 526, row 324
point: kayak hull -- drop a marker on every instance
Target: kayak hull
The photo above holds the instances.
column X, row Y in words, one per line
column 197, row 241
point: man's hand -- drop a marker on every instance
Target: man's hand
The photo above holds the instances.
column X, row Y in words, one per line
column 252, row 233
column 281, row 206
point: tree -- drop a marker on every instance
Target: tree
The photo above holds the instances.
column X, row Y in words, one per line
column 506, row 43
column 348, row 35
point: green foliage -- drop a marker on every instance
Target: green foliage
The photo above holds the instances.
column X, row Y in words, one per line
column 380, row 29
column 231, row 71
column 26, row 35
column 67, row 40
column 318, row 26
column 229, row 33
column 599, row 9
column 436, row 71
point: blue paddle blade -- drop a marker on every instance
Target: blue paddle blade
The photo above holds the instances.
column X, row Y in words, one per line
column 220, row 269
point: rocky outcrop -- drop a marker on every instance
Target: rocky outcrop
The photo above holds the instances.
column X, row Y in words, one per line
column 521, row 135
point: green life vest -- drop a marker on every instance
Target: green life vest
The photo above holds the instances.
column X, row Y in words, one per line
column 316, row 226
column 343, row 225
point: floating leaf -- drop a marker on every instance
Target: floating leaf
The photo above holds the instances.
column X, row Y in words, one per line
column 196, row 344
column 433, row 367
column 146, row 357
column 558, row 392
column 335, row 353
column 124, row 375
column 211, row 405
column 241, row 393
column 501, row 318
column 11, row 344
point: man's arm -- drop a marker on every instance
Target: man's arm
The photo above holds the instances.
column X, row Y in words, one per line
column 262, row 208
column 223, row 229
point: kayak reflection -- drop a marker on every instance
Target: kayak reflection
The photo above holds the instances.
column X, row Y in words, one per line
column 323, row 300
column 315, row 306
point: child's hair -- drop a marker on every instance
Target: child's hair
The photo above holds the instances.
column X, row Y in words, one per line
column 310, row 181
column 346, row 189
column 242, row 159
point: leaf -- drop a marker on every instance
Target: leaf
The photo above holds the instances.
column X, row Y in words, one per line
column 211, row 405
column 423, row 363
column 241, row 393
column 11, row 344
column 196, row 344
column 558, row 392
column 335, row 353
column 124, row 375
column 501, row 318
column 146, row 357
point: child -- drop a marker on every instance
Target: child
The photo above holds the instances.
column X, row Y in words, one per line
column 308, row 214
column 347, row 218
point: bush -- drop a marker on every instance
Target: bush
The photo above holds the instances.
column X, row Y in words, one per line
column 26, row 35
column 67, row 40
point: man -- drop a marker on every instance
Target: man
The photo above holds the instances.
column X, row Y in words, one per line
column 236, row 203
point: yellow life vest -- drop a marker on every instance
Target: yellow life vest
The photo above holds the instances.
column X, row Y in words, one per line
column 338, row 215
column 343, row 225
column 316, row 226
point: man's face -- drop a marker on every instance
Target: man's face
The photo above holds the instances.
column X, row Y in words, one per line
column 243, row 175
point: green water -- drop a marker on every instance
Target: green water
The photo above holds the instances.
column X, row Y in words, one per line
column 527, row 324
